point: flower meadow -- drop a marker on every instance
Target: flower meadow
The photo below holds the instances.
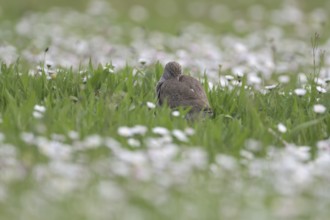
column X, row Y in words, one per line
column 82, row 136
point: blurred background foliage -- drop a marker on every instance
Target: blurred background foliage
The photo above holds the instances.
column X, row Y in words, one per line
column 221, row 16
column 15, row 9
column 158, row 10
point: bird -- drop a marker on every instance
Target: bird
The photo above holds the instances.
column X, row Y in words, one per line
column 178, row 90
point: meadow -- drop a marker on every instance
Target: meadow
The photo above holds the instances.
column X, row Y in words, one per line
column 81, row 135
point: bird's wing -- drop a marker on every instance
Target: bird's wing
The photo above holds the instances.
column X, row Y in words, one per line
column 195, row 86
column 158, row 89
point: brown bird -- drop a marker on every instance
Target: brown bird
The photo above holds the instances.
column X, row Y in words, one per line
column 178, row 90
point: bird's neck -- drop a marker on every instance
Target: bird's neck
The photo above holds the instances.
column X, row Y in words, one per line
column 162, row 79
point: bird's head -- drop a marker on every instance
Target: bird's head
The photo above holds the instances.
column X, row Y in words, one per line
column 172, row 70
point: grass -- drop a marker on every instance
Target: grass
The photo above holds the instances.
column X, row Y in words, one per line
column 107, row 101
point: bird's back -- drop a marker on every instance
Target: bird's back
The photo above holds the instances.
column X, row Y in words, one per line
column 194, row 86
column 185, row 92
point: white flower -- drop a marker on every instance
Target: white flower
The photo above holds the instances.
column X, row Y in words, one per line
column 151, row 105
column 160, row 130
column 253, row 145
column 176, row 113
column 270, row 87
column 125, row 131
column 133, row 142
column 321, row 89
column 284, row 79
column 246, row 154
column 139, row 129
column 39, row 108
column 320, row 82
column 49, row 64
column 189, row 131
column 128, row 132
column 180, row 135
column 143, row 61
column 229, row 77
column 324, row 145
column 93, row 141
column 239, row 71
column 135, row 71
column 226, row 162
column 236, row 83
column 281, row 128
column 195, row 157
column 301, row 153
column 320, row 109
column 111, row 70
column 300, row 92
column 38, row 111
column 223, row 81
column 163, row 155
column 27, row 137
column 158, row 142
column 254, row 79
column 302, row 78
column 54, row 149
column 211, row 85
column 37, row 114
column 130, row 157
column 73, row 135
